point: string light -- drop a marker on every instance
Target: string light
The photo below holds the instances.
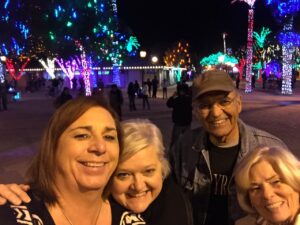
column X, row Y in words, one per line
column 248, row 87
column 49, row 66
column 12, row 71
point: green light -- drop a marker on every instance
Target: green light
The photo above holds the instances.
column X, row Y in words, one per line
column 89, row 5
column 69, row 24
column 52, row 36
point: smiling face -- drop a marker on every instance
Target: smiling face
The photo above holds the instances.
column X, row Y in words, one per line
column 87, row 152
column 218, row 112
column 138, row 180
column 276, row 201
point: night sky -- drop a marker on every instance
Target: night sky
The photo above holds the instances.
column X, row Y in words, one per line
column 160, row 23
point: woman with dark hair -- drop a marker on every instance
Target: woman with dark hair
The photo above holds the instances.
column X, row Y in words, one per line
column 78, row 154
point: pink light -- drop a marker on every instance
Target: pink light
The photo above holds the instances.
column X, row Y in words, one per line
column 248, row 87
column 69, row 68
column 249, row 2
column 12, row 70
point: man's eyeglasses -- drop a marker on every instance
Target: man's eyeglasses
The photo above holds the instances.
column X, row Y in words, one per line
column 221, row 103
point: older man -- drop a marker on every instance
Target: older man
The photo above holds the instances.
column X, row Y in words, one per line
column 203, row 159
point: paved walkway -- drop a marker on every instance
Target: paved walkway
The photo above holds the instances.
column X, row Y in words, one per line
column 21, row 126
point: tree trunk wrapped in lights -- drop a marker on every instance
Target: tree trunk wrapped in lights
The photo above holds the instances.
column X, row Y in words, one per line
column 284, row 13
column 248, row 87
column 49, row 66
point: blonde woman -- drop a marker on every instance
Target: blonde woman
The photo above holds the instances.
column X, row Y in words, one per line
column 268, row 187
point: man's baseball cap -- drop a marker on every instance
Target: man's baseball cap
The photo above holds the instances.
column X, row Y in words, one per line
column 212, row 80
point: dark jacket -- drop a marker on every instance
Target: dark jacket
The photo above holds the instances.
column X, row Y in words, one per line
column 170, row 207
column 190, row 161
column 182, row 109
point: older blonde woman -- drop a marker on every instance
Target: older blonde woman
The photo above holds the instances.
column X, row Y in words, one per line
column 141, row 189
column 268, row 187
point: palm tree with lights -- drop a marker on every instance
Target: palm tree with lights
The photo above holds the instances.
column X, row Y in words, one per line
column 248, row 87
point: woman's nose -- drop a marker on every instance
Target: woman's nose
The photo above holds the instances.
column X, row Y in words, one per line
column 138, row 183
column 267, row 192
column 97, row 146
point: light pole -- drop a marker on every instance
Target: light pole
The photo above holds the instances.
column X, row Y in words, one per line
column 224, row 41
column 143, row 55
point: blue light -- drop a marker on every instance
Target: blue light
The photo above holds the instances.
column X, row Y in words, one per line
column 74, row 15
column 289, row 38
column 6, row 4
column 102, row 8
column 4, row 49
column 56, row 13
column 17, row 96
column 67, row 37
column 17, row 47
column 23, row 29
column 284, row 7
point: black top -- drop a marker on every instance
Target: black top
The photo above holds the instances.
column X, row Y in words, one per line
column 33, row 213
column 170, row 207
column 182, row 109
column 222, row 161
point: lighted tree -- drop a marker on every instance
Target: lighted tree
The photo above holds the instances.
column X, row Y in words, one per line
column 259, row 56
column 218, row 60
column 15, row 36
column 66, row 28
column 248, row 87
column 90, row 28
column 284, row 12
column 179, row 55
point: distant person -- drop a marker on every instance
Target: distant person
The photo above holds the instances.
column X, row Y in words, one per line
column 100, row 85
column 294, row 78
column 145, row 96
column 3, row 95
column 131, row 96
column 55, row 84
column 81, row 83
column 63, row 97
column 181, row 103
column 154, row 83
column 136, row 86
column 116, row 100
column 264, row 79
column 253, row 81
column 164, row 86
column 74, row 83
column 149, row 83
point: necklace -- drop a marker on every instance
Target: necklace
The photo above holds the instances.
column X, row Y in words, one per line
column 69, row 221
